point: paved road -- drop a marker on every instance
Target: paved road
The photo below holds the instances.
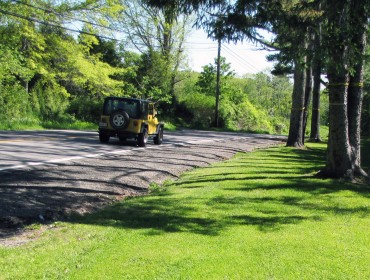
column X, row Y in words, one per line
column 22, row 149
column 46, row 175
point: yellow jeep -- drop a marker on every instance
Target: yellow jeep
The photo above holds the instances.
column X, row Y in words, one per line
column 130, row 118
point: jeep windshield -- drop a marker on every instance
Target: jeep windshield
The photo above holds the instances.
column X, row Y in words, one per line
column 132, row 107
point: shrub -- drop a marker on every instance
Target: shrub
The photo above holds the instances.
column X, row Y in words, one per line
column 86, row 108
column 249, row 118
column 201, row 108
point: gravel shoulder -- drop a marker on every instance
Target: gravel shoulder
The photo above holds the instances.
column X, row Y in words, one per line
column 50, row 193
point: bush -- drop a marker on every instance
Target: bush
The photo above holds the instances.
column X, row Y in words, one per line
column 201, row 107
column 86, row 108
column 14, row 103
column 246, row 117
column 49, row 100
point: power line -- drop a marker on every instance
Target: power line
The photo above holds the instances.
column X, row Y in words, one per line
column 236, row 60
column 254, row 50
column 203, row 43
column 200, row 48
column 238, row 57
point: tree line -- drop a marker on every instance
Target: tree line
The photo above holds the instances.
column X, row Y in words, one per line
column 58, row 63
column 58, row 60
column 313, row 37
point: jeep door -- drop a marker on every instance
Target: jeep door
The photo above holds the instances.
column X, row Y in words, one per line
column 152, row 119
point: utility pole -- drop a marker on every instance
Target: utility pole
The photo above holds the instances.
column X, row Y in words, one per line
column 218, row 83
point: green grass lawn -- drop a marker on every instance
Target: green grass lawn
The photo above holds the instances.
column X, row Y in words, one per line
column 260, row 215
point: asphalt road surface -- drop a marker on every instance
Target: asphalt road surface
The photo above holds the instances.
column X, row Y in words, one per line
column 46, row 175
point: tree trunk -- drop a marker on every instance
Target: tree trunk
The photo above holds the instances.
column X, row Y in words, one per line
column 307, row 100
column 347, row 25
column 308, row 82
column 316, row 72
column 355, row 98
column 339, row 160
column 296, row 115
column 355, row 93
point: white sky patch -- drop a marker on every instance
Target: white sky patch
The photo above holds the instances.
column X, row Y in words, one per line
column 245, row 57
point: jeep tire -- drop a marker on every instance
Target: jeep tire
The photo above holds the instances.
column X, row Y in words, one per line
column 104, row 138
column 142, row 138
column 158, row 139
column 119, row 119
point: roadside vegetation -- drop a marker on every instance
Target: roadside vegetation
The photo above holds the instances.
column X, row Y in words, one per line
column 258, row 215
column 54, row 77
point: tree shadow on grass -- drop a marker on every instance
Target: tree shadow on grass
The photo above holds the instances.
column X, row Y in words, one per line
column 207, row 215
column 169, row 216
column 159, row 215
column 269, row 223
column 321, row 187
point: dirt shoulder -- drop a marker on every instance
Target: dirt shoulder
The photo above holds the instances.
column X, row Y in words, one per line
column 50, row 193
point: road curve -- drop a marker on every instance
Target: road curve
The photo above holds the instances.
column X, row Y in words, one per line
column 45, row 175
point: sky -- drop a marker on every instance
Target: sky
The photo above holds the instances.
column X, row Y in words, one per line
column 245, row 58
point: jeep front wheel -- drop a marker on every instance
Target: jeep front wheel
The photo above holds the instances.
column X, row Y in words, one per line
column 142, row 138
column 159, row 138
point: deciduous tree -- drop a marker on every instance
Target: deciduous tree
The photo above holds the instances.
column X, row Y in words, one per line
column 158, row 33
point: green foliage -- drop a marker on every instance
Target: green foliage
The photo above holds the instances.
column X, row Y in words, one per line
column 168, row 125
column 153, row 77
column 324, row 132
column 246, row 117
column 48, row 74
column 258, row 103
column 49, row 99
column 207, row 78
column 43, row 69
column 324, row 107
column 202, row 109
column 13, row 102
column 270, row 92
column 86, row 108
column 195, row 107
